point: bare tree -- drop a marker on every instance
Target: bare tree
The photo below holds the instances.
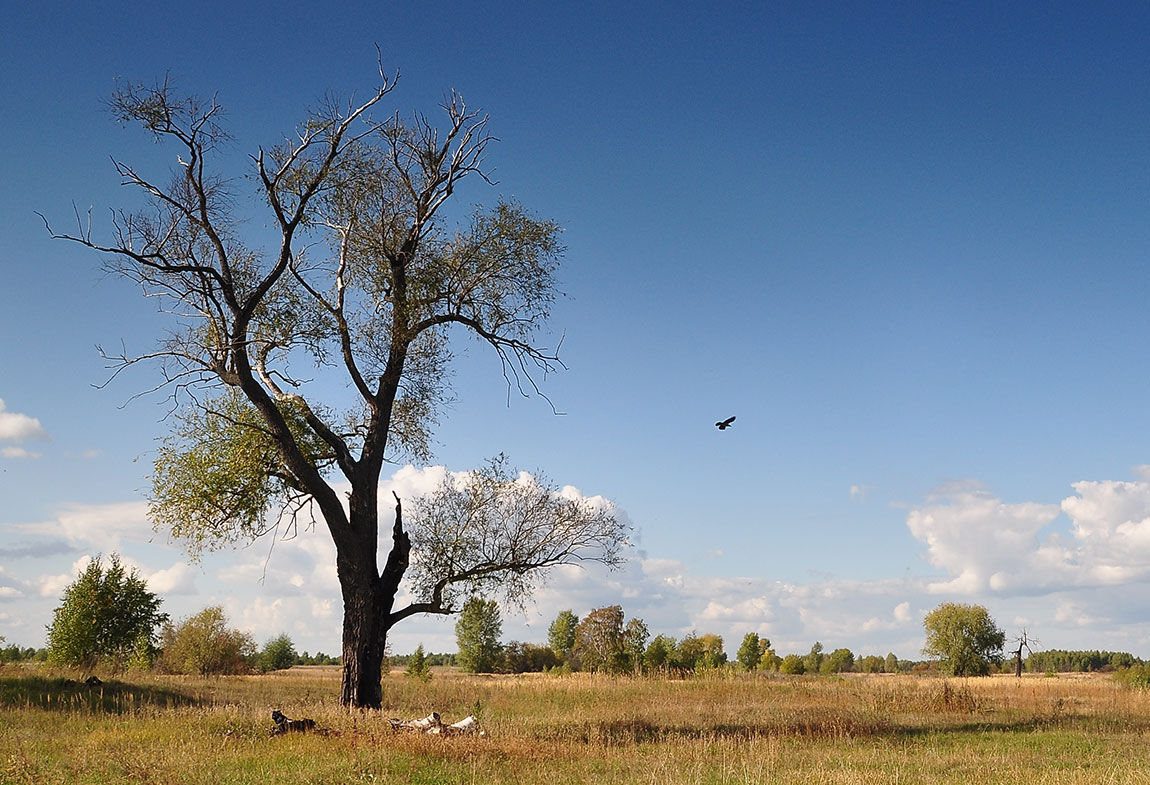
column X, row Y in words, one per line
column 1024, row 641
column 365, row 280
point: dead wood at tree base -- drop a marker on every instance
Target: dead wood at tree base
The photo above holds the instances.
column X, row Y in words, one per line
column 433, row 726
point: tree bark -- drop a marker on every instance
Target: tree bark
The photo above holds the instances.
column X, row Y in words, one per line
column 368, row 601
column 364, row 643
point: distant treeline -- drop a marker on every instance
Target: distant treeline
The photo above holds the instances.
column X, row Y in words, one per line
column 430, row 659
column 16, row 653
column 1061, row 661
column 319, row 658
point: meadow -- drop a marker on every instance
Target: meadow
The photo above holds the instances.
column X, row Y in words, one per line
column 577, row 729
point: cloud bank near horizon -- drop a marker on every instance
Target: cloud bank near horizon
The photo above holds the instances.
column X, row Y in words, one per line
column 1052, row 567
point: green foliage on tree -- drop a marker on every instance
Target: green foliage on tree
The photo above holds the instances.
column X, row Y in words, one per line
column 890, row 664
column 204, row 644
column 277, row 654
column 793, row 665
column 813, row 662
column 14, row 653
column 561, row 634
column 839, row 661
column 660, row 653
column 219, row 471
column 769, row 661
column 635, row 635
column 964, row 638
column 599, row 640
column 749, row 654
column 107, row 615
column 477, row 634
column 417, row 665
column 713, row 655
column 688, row 653
column 519, row 657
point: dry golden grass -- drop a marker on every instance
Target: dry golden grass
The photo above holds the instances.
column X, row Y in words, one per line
column 865, row 729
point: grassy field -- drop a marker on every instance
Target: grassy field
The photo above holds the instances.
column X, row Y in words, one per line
column 577, row 729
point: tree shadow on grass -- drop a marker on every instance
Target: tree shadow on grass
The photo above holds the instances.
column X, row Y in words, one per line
column 67, row 695
column 633, row 731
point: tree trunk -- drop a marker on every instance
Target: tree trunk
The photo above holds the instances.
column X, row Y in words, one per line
column 368, row 600
column 364, row 644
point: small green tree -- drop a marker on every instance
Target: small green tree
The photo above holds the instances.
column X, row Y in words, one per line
column 813, row 662
column 145, row 652
column 635, row 635
column 561, row 634
column 769, row 661
column 964, row 638
column 418, row 666
column 839, row 661
column 106, row 615
column 278, row 654
column 714, row 656
column 749, row 654
column 204, row 644
column 477, row 634
column 688, row 653
column 599, row 639
column 793, row 665
column 660, row 653
column 890, row 664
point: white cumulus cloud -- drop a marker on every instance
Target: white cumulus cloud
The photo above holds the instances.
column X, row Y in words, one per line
column 101, row 527
column 16, row 427
column 982, row 542
column 53, row 585
column 986, row 546
column 180, row 578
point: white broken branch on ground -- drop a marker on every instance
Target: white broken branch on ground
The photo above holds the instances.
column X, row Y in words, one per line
column 433, row 725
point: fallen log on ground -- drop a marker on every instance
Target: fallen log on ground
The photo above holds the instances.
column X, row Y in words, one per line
column 433, row 725
column 423, row 724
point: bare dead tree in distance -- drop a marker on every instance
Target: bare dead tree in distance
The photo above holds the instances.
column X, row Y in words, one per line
column 366, row 281
column 1024, row 641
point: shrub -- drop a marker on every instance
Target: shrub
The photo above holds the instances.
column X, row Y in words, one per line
column 205, row 645
column 750, row 654
column 278, row 654
column 1136, row 676
column 793, row 665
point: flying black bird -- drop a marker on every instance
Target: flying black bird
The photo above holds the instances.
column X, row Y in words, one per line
column 725, row 424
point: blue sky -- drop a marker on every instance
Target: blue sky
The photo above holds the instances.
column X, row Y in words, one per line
column 904, row 243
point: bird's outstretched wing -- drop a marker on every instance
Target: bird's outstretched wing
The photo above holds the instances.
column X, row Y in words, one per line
column 724, row 424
